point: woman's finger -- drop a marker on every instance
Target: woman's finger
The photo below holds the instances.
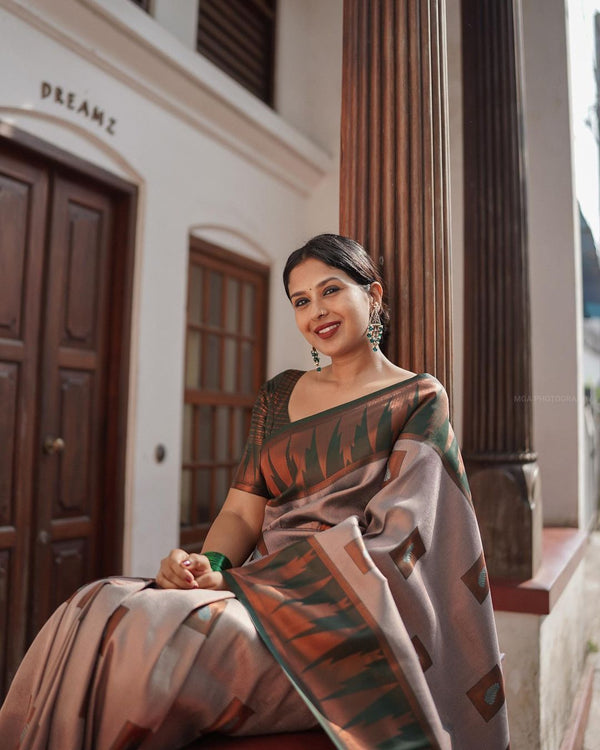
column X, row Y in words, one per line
column 212, row 580
column 177, row 555
column 171, row 573
column 177, row 567
column 197, row 564
column 167, row 581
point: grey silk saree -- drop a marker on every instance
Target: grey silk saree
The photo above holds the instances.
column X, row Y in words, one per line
column 367, row 610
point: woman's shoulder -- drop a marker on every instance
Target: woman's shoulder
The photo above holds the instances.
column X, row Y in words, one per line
column 421, row 381
column 422, row 388
column 283, row 381
column 430, row 379
column 429, row 385
column 276, row 391
column 429, row 400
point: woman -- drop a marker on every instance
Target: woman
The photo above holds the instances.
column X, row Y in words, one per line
column 368, row 610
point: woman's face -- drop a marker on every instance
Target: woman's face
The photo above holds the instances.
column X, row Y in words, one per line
column 332, row 310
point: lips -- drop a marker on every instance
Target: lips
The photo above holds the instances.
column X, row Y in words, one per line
column 327, row 329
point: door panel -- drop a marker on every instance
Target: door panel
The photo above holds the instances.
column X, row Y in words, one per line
column 74, row 491
column 23, row 202
column 15, row 200
column 67, row 525
column 85, row 252
column 9, row 374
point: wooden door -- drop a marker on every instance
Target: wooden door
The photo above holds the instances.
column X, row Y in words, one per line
column 23, row 199
column 63, row 303
column 72, row 396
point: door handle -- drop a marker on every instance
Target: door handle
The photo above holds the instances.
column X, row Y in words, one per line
column 53, row 445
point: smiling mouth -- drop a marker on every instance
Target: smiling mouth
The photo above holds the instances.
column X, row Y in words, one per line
column 327, row 330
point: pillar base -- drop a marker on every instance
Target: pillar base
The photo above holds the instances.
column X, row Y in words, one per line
column 507, row 500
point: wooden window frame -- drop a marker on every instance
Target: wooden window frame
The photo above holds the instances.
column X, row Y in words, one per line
column 210, row 257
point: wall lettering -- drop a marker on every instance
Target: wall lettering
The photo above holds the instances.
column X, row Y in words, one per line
column 79, row 105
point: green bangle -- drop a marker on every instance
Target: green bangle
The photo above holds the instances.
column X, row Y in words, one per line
column 218, row 562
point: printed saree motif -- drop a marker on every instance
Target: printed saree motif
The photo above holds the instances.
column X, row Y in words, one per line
column 367, row 610
column 383, row 620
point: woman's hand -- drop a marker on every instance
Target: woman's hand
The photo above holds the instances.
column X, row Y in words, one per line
column 182, row 571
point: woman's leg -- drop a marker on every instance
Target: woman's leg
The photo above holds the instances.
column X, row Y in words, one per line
column 124, row 665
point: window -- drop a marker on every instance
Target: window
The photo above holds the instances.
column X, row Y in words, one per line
column 225, row 366
column 239, row 37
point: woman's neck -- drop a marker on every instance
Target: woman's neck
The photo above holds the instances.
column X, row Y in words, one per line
column 357, row 368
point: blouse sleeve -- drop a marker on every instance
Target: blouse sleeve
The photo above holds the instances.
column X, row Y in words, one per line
column 248, row 476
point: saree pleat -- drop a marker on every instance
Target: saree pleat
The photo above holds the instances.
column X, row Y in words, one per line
column 125, row 665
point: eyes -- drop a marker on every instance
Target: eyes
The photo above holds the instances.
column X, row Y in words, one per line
column 301, row 301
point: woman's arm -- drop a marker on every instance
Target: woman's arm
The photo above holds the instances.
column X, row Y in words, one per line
column 233, row 533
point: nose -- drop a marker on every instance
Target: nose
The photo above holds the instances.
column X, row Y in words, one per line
column 319, row 312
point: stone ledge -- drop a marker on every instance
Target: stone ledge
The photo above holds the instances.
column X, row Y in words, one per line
column 562, row 551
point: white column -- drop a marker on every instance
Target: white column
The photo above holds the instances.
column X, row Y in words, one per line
column 554, row 263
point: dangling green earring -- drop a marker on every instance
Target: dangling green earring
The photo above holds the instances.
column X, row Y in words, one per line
column 375, row 329
column 315, row 356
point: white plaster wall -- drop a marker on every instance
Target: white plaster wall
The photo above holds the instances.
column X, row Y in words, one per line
column 308, row 93
column 180, row 17
column 562, row 653
column 200, row 166
column 542, row 666
column 554, row 263
column 586, row 134
column 519, row 639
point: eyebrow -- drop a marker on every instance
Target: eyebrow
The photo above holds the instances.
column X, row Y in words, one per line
column 319, row 285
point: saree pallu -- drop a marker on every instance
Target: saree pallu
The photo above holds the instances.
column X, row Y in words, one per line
column 368, row 613
column 383, row 620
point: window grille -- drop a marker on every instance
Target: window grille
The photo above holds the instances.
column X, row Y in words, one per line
column 239, row 37
column 225, row 366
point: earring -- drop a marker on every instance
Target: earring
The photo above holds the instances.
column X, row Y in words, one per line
column 315, row 356
column 375, row 329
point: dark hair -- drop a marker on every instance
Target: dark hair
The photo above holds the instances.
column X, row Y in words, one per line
column 339, row 252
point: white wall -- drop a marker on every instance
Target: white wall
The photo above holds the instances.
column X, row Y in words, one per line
column 308, row 94
column 562, row 647
column 554, row 262
column 180, row 17
column 542, row 665
column 519, row 637
column 586, row 135
column 206, row 156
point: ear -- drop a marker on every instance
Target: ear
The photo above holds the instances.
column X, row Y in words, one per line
column 376, row 292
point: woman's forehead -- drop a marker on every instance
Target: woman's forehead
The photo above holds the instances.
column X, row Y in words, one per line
column 311, row 271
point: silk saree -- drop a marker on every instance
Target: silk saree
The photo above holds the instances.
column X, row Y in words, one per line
column 365, row 608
